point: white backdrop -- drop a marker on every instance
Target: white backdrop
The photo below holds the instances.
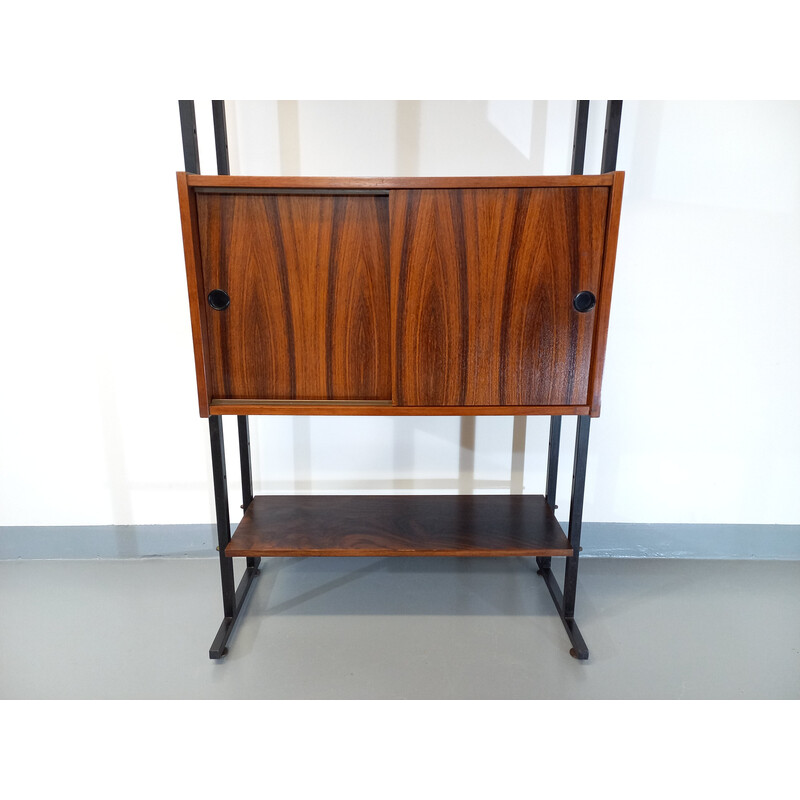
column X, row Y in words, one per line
column 699, row 420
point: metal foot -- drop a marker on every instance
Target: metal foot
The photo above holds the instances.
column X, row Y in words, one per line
column 543, row 562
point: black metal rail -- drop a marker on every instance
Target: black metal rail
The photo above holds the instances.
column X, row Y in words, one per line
column 565, row 602
column 579, row 138
column 233, row 598
column 221, row 137
column 191, row 153
column 243, row 424
column 608, row 161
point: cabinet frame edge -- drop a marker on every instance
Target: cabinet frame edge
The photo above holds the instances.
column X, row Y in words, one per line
column 195, row 285
column 603, row 311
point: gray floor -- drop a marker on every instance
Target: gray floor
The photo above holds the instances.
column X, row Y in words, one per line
column 400, row 628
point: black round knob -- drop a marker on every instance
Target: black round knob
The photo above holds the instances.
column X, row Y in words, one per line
column 583, row 302
column 218, row 300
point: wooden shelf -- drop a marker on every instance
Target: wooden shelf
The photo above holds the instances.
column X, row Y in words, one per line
column 399, row 525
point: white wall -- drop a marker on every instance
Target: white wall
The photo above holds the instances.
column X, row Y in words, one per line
column 701, row 381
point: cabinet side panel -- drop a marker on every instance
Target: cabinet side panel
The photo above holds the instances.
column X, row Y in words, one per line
column 307, row 277
column 483, row 286
column 194, row 281
column 604, row 301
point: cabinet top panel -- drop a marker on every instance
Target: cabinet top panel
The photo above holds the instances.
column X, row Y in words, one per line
column 233, row 182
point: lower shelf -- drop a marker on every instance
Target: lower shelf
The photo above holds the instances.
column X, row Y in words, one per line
column 399, row 525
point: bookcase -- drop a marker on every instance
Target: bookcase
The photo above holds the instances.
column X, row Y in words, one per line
column 399, row 296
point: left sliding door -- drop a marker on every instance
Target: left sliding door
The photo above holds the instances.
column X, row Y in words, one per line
column 296, row 295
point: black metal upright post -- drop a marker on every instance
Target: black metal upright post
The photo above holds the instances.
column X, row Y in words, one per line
column 611, row 136
column 553, row 448
column 579, row 137
column 191, row 153
column 247, row 474
column 244, row 461
column 233, row 598
column 224, row 168
column 223, row 514
column 221, row 137
column 554, row 444
column 578, row 159
column 576, row 514
column 565, row 602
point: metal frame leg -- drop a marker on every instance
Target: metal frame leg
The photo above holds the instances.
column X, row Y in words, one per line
column 576, row 514
column 552, row 476
column 247, row 473
column 232, row 598
column 220, row 137
column 579, row 137
column 191, row 153
column 608, row 160
column 565, row 603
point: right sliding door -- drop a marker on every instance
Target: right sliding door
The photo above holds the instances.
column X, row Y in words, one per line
column 484, row 287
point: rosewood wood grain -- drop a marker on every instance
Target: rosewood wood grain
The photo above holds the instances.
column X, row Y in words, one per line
column 483, row 282
column 415, row 525
column 276, row 182
column 357, row 358
column 308, row 283
column 383, row 409
column 194, row 281
column 603, row 309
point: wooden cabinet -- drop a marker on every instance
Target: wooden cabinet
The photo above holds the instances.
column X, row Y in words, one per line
column 390, row 296
column 400, row 296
